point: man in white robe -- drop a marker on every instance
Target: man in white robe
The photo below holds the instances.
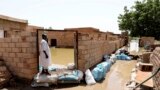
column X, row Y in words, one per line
column 45, row 55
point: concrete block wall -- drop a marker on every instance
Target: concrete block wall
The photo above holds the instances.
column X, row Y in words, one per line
column 146, row 40
column 12, row 28
column 20, row 54
column 91, row 48
column 64, row 38
column 155, row 60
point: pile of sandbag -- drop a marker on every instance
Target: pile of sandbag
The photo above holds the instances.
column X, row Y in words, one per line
column 57, row 76
column 4, row 74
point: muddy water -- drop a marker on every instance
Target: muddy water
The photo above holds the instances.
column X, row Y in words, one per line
column 62, row 56
column 115, row 79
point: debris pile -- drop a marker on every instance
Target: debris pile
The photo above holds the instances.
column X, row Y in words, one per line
column 4, row 74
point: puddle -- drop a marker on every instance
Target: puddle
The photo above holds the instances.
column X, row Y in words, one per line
column 62, row 56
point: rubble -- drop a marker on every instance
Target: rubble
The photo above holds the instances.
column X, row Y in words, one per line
column 4, row 74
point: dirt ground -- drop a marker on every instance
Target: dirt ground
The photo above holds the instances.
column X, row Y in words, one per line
column 115, row 79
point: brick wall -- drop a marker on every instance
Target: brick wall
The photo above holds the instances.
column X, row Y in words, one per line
column 20, row 54
column 12, row 28
column 155, row 60
column 64, row 38
column 91, row 48
column 146, row 40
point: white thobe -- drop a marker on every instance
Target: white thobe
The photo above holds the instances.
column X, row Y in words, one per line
column 43, row 61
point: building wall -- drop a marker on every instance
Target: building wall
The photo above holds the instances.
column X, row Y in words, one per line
column 92, row 47
column 11, row 28
column 20, row 54
column 146, row 40
column 64, row 38
column 155, row 60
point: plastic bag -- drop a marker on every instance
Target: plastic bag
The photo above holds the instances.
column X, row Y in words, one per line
column 89, row 78
column 98, row 73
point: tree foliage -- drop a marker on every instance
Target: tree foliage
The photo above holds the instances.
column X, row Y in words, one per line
column 143, row 19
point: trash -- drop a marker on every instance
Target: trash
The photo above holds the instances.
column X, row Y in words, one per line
column 106, row 65
column 113, row 58
column 5, row 75
column 89, row 78
column 71, row 66
column 106, row 57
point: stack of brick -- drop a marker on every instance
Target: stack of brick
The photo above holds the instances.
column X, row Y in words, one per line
column 91, row 48
column 20, row 54
column 146, row 41
column 155, row 60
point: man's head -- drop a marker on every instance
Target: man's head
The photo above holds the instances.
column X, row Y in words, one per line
column 44, row 36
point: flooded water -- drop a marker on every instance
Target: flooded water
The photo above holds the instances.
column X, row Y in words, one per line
column 62, row 56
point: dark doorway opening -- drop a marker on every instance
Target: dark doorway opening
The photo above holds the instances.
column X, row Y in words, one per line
column 53, row 42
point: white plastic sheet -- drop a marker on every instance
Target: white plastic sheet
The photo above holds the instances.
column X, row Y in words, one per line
column 134, row 46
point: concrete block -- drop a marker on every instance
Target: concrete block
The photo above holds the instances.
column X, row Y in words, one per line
column 8, row 50
column 25, row 33
column 2, row 49
column 11, row 44
column 16, row 50
column 5, row 54
column 26, row 45
column 12, row 55
column 5, row 45
column 15, row 40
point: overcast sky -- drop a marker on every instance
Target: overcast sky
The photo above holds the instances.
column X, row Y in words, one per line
column 60, row 14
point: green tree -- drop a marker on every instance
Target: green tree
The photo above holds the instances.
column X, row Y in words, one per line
column 142, row 19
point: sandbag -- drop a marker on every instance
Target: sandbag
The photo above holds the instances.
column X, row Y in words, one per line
column 71, row 66
column 46, row 78
column 75, row 77
column 105, row 65
column 98, row 73
column 35, row 84
column 70, row 77
column 89, row 78
column 123, row 57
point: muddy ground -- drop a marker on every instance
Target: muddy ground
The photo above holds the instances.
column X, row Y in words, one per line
column 115, row 79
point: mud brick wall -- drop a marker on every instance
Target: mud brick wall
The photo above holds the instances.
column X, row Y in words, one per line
column 64, row 38
column 12, row 28
column 146, row 40
column 91, row 48
column 155, row 60
column 20, row 54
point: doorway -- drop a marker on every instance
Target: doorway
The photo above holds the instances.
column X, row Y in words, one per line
column 53, row 42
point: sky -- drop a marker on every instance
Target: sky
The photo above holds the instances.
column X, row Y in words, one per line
column 60, row 14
